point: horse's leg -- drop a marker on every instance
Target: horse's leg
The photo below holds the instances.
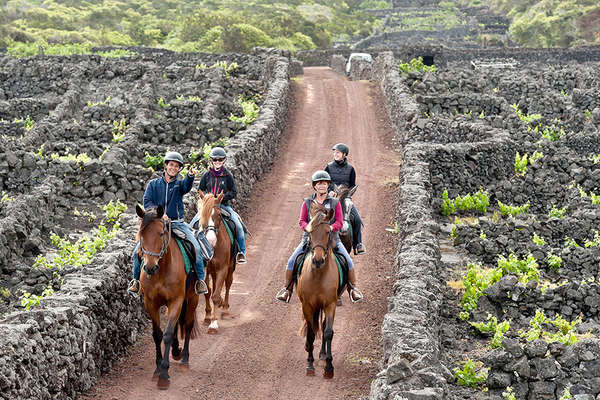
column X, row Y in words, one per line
column 210, row 279
column 309, row 317
column 175, row 349
column 172, row 316
column 157, row 335
column 217, row 301
column 189, row 322
column 228, row 282
column 327, row 338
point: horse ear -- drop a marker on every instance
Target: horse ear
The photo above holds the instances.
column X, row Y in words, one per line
column 220, row 197
column 160, row 211
column 200, row 194
column 139, row 211
column 351, row 192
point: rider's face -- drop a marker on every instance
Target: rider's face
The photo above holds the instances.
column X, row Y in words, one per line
column 321, row 187
column 338, row 155
column 172, row 168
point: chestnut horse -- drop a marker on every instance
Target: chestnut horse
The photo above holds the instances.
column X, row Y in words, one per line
column 318, row 286
column 345, row 197
column 219, row 269
column 163, row 282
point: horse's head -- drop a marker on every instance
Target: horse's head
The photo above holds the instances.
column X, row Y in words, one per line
column 345, row 197
column 153, row 236
column 320, row 233
column 210, row 215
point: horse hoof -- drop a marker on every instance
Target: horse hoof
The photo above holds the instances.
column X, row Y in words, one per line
column 310, row 372
column 176, row 357
column 163, row 384
column 328, row 374
column 224, row 314
column 339, row 302
column 212, row 331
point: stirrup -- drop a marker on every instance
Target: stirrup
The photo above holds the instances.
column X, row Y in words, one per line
column 360, row 249
column 240, row 258
column 134, row 290
column 200, row 287
column 284, row 295
column 354, row 290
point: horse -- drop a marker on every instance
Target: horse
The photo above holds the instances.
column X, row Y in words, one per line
column 163, row 282
column 317, row 288
column 220, row 268
column 345, row 197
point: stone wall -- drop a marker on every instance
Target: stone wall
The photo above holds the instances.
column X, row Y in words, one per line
column 59, row 348
column 460, row 151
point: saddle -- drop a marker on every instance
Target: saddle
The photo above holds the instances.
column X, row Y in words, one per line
column 341, row 263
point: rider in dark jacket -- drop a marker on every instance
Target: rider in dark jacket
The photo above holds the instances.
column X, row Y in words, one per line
column 342, row 173
column 168, row 192
column 216, row 180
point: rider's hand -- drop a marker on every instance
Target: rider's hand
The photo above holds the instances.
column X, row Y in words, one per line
column 332, row 194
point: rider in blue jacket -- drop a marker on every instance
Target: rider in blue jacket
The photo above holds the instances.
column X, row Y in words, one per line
column 168, row 192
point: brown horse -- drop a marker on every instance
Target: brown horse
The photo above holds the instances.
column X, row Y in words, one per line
column 345, row 197
column 163, row 282
column 317, row 288
column 220, row 268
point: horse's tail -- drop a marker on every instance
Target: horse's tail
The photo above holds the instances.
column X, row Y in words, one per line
column 195, row 328
column 316, row 325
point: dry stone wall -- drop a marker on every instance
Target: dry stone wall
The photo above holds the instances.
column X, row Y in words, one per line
column 461, row 133
column 89, row 321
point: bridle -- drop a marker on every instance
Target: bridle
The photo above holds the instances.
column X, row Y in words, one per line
column 163, row 249
column 329, row 241
column 211, row 224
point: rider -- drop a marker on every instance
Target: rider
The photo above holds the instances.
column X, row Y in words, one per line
column 168, row 191
column 342, row 173
column 320, row 182
column 217, row 179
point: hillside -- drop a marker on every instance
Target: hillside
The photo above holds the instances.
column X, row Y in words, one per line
column 193, row 25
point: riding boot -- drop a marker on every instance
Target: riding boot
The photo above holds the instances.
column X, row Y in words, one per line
column 134, row 287
column 354, row 293
column 200, row 287
column 285, row 294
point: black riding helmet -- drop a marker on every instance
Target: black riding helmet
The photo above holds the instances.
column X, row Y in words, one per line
column 319, row 176
column 341, row 147
column 174, row 156
column 217, row 152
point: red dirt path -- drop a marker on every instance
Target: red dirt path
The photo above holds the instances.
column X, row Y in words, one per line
column 258, row 353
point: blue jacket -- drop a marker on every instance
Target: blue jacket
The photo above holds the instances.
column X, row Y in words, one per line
column 169, row 195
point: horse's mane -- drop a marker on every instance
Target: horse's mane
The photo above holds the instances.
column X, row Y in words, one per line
column 149, row 216
column 207, row 204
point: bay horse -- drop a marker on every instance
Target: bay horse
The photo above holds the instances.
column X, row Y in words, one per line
column 219, row 269
column 317, row 288
column 344, row 195
column 163, row 282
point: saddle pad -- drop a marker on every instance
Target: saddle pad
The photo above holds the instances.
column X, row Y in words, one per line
column 186, row 259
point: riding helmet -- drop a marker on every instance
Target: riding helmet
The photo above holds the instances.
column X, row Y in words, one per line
column 174, row 156
column 217, row 152
column 320, row 176
column 341, row 147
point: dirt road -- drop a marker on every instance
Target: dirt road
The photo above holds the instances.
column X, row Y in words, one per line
column 258, row 353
